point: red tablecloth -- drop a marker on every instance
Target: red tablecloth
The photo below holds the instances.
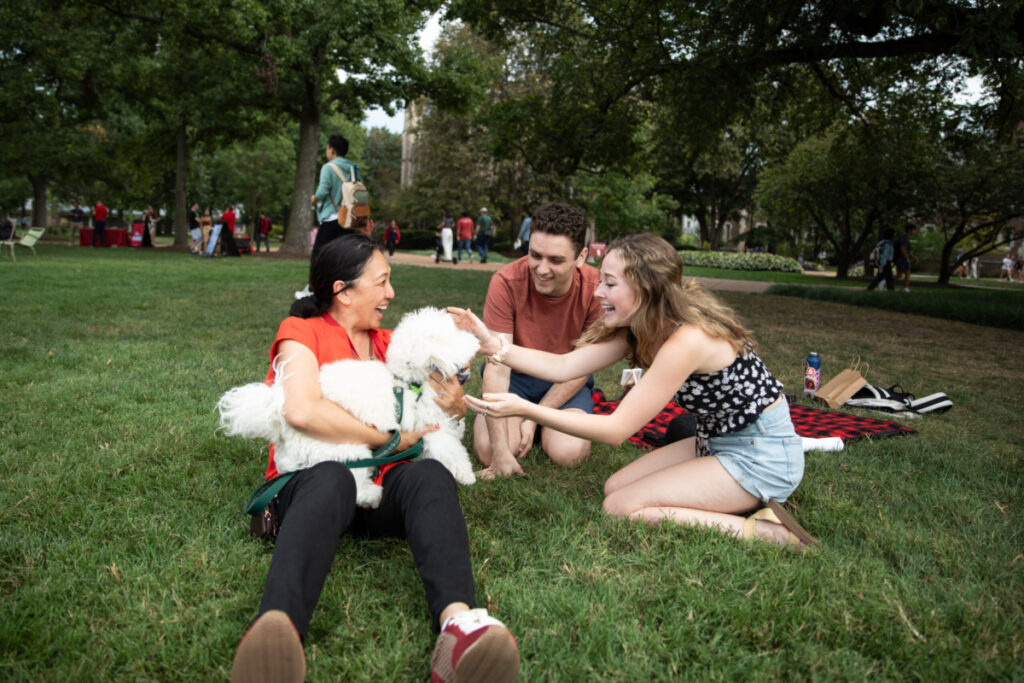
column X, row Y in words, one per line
column 112, row 237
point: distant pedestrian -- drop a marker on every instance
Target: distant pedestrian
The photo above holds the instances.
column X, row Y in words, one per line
column 975, row 267
column 464, row 227
column 328, row 196
column 524, row 233
column 99, row 224
column 1006, row 270
column 77, row 222
column 884, row 263
column 962, row 264
column 447, row 236
column 904, row 256
column 147, row 226
column 392, row 236
column 194, row 230
column 263, row 233
column 484, row 233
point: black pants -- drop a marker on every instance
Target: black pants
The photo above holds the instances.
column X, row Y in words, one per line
column 317, row 506
column 883, row 272
column 260, row 237
column 99, row 233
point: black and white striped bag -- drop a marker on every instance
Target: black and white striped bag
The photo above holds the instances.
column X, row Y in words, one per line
column 896, row 400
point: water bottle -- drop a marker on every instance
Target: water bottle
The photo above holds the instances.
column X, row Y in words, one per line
column 812, row 374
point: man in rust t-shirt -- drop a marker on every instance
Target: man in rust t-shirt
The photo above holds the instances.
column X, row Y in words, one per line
column 545, row 301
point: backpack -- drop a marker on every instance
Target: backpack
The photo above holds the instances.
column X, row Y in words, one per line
column 875, row 259
column 876, row 253
column 355, row 199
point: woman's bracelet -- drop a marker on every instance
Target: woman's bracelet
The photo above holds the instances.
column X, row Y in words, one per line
column 499, row 355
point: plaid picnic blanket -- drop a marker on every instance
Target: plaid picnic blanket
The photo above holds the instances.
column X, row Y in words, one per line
column 673, row 423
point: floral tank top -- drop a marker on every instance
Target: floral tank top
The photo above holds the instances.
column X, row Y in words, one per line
column 731, row 398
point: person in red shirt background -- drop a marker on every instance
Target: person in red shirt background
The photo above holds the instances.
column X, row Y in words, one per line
column 464, row 228
column 229, row 219
column 263, row 234
column 99, row 224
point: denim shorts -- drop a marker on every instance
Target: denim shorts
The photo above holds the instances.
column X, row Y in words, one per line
column 533, row 390
column 766, row 458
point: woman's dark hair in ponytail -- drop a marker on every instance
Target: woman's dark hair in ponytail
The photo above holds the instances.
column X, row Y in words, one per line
column 343, row 259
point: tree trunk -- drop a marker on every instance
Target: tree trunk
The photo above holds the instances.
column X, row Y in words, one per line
column 40, row 185
column 180, row 201
column 300, row 216
column 945, row 268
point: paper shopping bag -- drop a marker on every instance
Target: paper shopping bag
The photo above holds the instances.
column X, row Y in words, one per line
column 840, row 388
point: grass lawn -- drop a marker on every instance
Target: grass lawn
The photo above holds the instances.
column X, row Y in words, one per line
column 996, row 307
column 124, row 552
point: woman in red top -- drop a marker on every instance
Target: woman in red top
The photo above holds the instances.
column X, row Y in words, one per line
column 351, row 286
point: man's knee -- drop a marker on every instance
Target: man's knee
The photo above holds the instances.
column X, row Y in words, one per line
column 565, row 450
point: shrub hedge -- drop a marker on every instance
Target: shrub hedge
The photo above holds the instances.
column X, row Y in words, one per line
column 738, row 261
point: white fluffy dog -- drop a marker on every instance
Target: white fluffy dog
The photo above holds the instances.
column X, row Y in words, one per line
column 425, row 340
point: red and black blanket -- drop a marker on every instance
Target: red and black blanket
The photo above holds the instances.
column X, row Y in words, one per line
column 674, row 423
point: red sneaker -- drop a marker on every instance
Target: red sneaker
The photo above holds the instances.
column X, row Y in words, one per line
column 270, row 651
column 474, row 646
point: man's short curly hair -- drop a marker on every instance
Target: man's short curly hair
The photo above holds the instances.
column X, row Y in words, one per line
column 561, row 219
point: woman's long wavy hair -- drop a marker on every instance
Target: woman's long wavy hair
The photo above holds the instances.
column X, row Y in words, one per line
column 653, row 269
column 343, row 258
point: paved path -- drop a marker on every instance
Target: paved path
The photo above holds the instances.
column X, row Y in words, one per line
column 407, row 259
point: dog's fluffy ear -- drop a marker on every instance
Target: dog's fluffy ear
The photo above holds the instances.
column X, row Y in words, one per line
column 253, row 410
column 427, row 339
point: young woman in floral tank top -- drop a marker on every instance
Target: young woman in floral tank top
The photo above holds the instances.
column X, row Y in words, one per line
column 695, row 351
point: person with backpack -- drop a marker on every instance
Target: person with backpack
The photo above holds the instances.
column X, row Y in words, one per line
column 328, row 197
column 881, row 257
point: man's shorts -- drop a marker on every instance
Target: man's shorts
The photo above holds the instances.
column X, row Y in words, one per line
column 902, row 265
column 533, row 390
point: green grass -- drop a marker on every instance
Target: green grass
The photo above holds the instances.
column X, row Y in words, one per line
column 124, row 552
column 997, row 308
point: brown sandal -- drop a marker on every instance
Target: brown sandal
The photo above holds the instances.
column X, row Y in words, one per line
column 775, row 513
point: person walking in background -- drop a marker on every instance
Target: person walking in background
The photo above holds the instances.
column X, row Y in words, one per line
column 206, row 227
column 542, row 301
column 484, row 230
column 263, row 233
column 99, row 224
column 328, row 196
column 884, row 263
column 524, row 233
column 903, row 256
column 464, row 227
column 193, row 229
column 147, row 226
column 76, row 222
column 696, row 352
column 1006, row 269
column 341, row 319
column 392, row 235
column 447, row 228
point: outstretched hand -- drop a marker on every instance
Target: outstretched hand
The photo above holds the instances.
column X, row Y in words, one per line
column 498, row 405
